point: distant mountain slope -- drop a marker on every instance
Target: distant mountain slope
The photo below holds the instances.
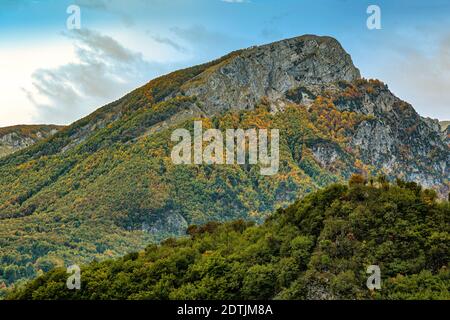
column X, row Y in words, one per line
column 18, row 137
column 106, row 185
column 444, row 125
column 318, row 248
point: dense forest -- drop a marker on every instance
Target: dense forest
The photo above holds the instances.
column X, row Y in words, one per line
column 317, row 248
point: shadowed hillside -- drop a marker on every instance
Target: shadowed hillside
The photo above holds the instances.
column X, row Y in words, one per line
column 16, row 138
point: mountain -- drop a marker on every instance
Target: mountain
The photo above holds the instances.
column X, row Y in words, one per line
column 445, row 127
column 106, row 185
column 16, row 138
column 318, row 248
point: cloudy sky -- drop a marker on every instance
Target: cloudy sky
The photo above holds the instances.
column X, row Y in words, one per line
column 51, row 74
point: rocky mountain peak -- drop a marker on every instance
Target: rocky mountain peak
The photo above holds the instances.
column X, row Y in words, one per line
column 240, row 81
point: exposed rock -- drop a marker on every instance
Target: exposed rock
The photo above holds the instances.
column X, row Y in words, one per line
column 396, row 141
column 444, row 125
column 270, row 71
column 399, row 141
column 16, row 138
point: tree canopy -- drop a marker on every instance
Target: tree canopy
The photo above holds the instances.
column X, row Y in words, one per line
column 317, row 248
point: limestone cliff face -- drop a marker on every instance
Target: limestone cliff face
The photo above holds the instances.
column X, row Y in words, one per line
column 445, row 128
column 16, row 138
column 270, row 71
column 396, row 140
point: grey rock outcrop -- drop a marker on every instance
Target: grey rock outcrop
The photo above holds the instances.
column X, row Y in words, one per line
column 15, row 138
column 270, row 71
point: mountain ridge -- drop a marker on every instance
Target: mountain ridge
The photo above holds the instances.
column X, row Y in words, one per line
column 106, row 185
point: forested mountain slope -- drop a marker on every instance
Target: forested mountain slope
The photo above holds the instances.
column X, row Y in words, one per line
column 318, row 248
column 106, row 185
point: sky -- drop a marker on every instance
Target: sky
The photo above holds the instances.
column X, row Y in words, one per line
column 50, row 73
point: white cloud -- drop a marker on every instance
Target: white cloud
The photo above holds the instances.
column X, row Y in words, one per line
column 103, row 71
column 169, row 42
column 16, row 64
